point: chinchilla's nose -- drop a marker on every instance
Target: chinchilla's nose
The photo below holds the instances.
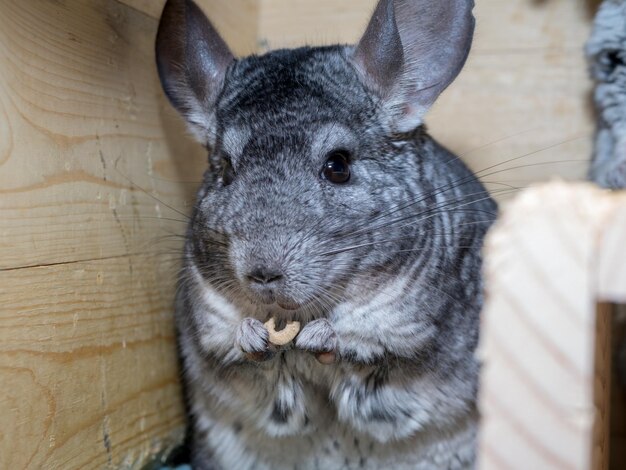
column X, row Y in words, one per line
column 264, row 275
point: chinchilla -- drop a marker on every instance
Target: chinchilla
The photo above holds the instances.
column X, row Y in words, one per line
column 326, row 202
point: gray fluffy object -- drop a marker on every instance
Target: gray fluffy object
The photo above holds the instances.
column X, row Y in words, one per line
column 606, row 51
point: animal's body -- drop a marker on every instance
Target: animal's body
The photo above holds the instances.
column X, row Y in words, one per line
column 328, row 203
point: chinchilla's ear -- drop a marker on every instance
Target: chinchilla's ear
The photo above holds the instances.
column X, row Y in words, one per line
column 411, row 51
column 192, row 60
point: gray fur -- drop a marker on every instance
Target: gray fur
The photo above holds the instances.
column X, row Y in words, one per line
column 318, row 336
column 253, row 339
column 383, row 271
column 606, row 50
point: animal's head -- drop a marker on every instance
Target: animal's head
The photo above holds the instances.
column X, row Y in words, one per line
column 308, row 147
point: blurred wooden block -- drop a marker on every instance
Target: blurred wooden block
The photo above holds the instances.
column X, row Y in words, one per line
column 550, row 262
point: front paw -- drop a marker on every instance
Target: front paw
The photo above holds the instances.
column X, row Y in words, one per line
column 319, row 338
column 253, row 339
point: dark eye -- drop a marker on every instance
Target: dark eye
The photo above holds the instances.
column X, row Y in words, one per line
column 227, row 172
column 337, row 167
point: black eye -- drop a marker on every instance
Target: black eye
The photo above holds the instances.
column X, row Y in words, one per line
column 337, row 167
column 227, row 172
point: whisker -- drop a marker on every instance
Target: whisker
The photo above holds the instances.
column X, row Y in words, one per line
column 147, row 193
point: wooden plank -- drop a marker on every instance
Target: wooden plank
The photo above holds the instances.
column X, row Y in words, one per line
column 601, row 445
column 545, row 384
column 78, row 89
column 612, row 260
column 86, row 366
column 151, row 8
column 88, row 373
column 293, row 23
column 618, row 390
column 236, row 20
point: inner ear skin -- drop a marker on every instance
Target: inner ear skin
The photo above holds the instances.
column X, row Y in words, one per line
column 192, row 60
column 379, row 54
column 411, row 51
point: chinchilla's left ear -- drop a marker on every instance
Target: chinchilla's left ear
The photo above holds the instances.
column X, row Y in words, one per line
column 411, row 51
column 192, row 60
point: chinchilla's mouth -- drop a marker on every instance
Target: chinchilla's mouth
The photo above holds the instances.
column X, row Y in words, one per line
column 270, row 298
column 288, row 305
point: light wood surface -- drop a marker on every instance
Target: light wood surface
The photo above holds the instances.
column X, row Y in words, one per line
column 88, row 375
column 546, row 374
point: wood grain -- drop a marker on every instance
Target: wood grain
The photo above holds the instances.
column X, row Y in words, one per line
column 90, row 159
column 87, row 366
column 601, row 452
column 617, row 446
column 151, row 8
column 612, row 261
column 236, row 20
column 293, row 23
column 546, row 375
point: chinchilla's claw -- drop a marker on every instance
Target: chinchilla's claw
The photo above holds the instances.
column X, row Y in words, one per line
column 319, row 337
column 253, row 340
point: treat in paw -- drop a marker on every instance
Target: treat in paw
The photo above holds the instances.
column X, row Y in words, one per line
column 253, row 339
column 284, row 336
column 319, row 338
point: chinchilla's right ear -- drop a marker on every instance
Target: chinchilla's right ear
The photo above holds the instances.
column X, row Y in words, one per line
column 192, row 60
column 411, row 51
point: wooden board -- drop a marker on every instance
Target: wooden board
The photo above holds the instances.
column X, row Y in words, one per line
column 293, row 23
column 86, row 366
column 88, row 374
column 546, row 374
column 618, row 390
column 236, row 20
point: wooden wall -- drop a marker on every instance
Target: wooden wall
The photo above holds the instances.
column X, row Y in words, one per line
column 95, row 170
column 87, row 359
